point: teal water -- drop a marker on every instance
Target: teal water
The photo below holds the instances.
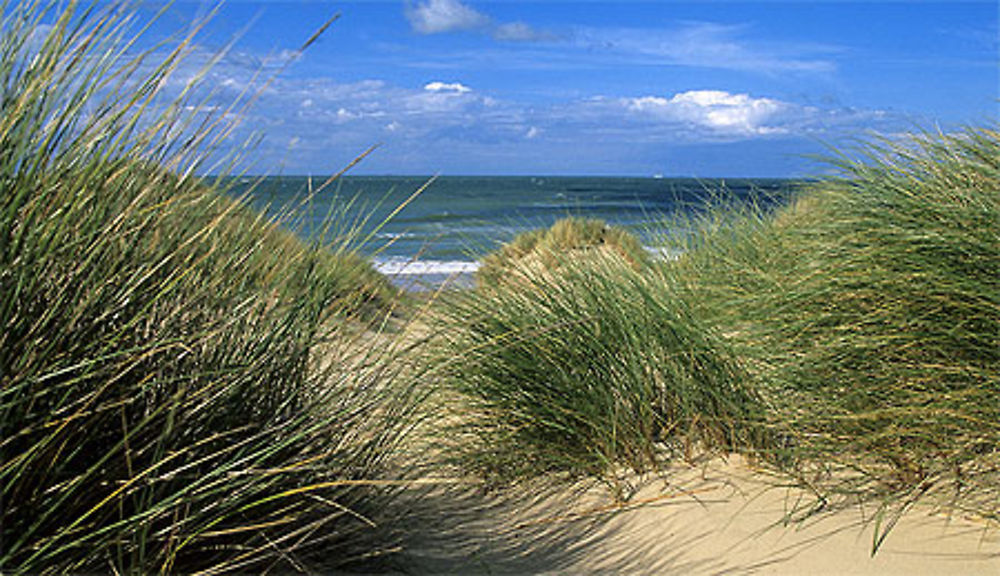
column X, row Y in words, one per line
column 457, row 219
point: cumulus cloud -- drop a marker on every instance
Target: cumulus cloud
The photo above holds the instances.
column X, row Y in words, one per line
column 439, row 16
column 456, row 87
column 345, row 115
column 716, row 110
column 317, row 121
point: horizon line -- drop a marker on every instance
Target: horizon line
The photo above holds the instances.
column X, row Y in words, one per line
column 525, row 175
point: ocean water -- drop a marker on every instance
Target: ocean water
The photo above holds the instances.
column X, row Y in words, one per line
column 455, row 220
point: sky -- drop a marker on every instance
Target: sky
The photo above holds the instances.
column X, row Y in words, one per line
column 687, row 89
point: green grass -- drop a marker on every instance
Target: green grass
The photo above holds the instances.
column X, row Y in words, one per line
column 589, row 367
column 851, row 339
column 546, row 248
column 873, row 314
column 868, row 313
column 186, row 385
column 167, row 397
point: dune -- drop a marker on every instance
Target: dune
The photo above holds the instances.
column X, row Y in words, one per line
column 722, row 517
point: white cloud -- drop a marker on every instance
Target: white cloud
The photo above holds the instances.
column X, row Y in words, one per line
column 716, row 110
column 317, row 121
column 439, row 16
column 520, row 32
column 282, row 58
column 441, row 97
column 456, row 87
column 344, row 115
column 708, row 45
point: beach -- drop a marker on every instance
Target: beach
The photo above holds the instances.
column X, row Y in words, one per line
column 721, row 517
column 552, row 359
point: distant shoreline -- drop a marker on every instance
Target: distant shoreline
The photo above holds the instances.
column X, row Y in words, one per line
column 457, row 219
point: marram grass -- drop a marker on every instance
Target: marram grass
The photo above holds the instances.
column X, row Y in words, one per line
column 850, row 339
column 186, row 387
column 547, row 248
column 869, row 310
column 588, row 366
column 162, row 407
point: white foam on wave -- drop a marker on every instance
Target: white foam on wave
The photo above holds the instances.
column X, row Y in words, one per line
column 396, row 267
column 395, row 235
column 663, row 253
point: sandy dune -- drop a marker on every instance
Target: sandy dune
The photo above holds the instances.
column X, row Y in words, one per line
column 718, row 519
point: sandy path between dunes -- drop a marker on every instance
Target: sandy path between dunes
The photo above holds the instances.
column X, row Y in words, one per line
column 719, row 519
column 723, row 517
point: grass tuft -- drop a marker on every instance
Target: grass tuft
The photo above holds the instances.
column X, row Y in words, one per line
column 547, row 248
column 870, row 311
column 167, row 398
column 588, row 367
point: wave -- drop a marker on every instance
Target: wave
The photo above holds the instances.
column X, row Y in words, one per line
column 663, row 252
column 395, row 235
column 401, row 266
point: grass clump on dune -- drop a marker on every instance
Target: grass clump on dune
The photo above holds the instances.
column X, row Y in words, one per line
column 870, row 311
column 162, row 407
column 547, row 248
column 590, row 367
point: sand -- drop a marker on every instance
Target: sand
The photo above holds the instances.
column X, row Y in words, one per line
column 718, row 518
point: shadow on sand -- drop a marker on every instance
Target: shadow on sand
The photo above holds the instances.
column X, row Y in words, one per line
column 721, row 518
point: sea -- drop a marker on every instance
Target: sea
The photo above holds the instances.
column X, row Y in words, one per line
column 423, row 231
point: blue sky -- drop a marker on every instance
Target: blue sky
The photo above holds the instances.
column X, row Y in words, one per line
column 706, row 89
